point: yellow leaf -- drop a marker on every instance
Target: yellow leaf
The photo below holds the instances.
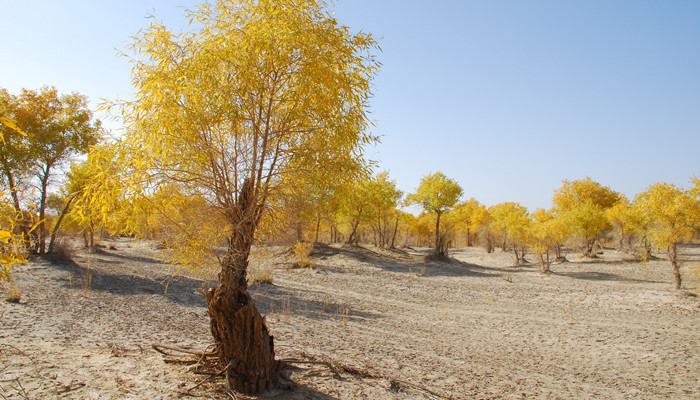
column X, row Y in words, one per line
column 8, row 123
column 5, row 236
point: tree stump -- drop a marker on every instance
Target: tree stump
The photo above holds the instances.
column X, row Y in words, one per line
column 242, row 340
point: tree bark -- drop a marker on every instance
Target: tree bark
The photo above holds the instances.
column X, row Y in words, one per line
column 24, row 230
column 544, row 263
column 438, row 250
column 41, row 249
column 58, row 224
column 647, row 249
column 673, row 256
column 393, row 236
column 353, row 234
column 242, row 340
column 318, row 226
column 588, row 248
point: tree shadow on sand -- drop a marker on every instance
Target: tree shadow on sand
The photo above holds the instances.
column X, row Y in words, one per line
column 183, row 290
column 278, row 300
column 403, row 262
column 602, row 276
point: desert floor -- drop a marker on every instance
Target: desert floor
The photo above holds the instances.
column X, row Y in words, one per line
column 393, row 325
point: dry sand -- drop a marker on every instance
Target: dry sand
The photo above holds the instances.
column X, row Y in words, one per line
column 473, row 328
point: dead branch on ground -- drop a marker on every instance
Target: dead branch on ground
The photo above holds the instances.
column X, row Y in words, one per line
column 335, row 367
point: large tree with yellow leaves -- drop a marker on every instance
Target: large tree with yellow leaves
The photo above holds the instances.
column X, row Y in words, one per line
column 259, row 90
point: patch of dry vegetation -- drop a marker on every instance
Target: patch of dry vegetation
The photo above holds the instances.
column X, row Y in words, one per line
column 302, row 253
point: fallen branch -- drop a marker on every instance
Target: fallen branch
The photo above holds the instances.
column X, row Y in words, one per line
column 365, row 373
column 20, row 352
column 71, row 387
column 161, row 348
column 212, row 376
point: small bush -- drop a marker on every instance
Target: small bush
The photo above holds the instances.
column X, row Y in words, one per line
column 62, row 251
column 302, row 252
column 13, row 294
column 260, row 275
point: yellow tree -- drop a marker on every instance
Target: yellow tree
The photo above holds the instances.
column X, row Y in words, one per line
column 583, row 203
column 262, row 89
column 354, row 208
column 513, row 221
column 383, row 199
column 421, row 228
column 617, row 216
column 58, row 127
column 305, row 202
column 464, row 212
column 544, row 237
column 11, row 253
column 675, row 216
column 481, row 222
column 437, row 194
column 15, row 156
column 638, row 222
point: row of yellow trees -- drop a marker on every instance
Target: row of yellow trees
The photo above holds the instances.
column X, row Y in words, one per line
column 327, row 206
column 583, row 213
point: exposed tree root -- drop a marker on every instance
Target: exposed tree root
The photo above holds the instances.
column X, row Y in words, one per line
column 337, row 368
column 205, row 363
column 173, row 355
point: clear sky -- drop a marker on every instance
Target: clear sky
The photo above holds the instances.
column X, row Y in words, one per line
column 506, row 97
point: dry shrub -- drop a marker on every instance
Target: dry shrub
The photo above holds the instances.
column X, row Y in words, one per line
column 302, row 252
column 62, row 252
column 261, row 275
column 261, row 265
column 13, row 294
column 695, row 278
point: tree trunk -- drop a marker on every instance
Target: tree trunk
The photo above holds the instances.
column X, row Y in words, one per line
column 647, row 249
column 588, row 248
column 318, row 227
column 544, row 262
column 243, row 342
column 393, row 236
column 353, row 234
column 673, row 256
column 24, row 229
column 438, row 250
column 58, row 224
column 42, row 211
column 469, row 238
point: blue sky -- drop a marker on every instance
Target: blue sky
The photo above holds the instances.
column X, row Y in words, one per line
column 506, row 97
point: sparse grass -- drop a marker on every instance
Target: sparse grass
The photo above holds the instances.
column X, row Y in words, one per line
column 260, row 274
column 302, row 253
column 344, row 316
column 13, row 294
column 87, row 277
column 62, row 252
column 695, row 276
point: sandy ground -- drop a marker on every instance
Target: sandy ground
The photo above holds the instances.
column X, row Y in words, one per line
column 473, row 328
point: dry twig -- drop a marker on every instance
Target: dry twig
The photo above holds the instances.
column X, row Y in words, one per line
column 335, row 366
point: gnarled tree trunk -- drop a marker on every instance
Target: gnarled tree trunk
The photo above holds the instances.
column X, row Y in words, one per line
column 242, row 340
column 673, row 257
